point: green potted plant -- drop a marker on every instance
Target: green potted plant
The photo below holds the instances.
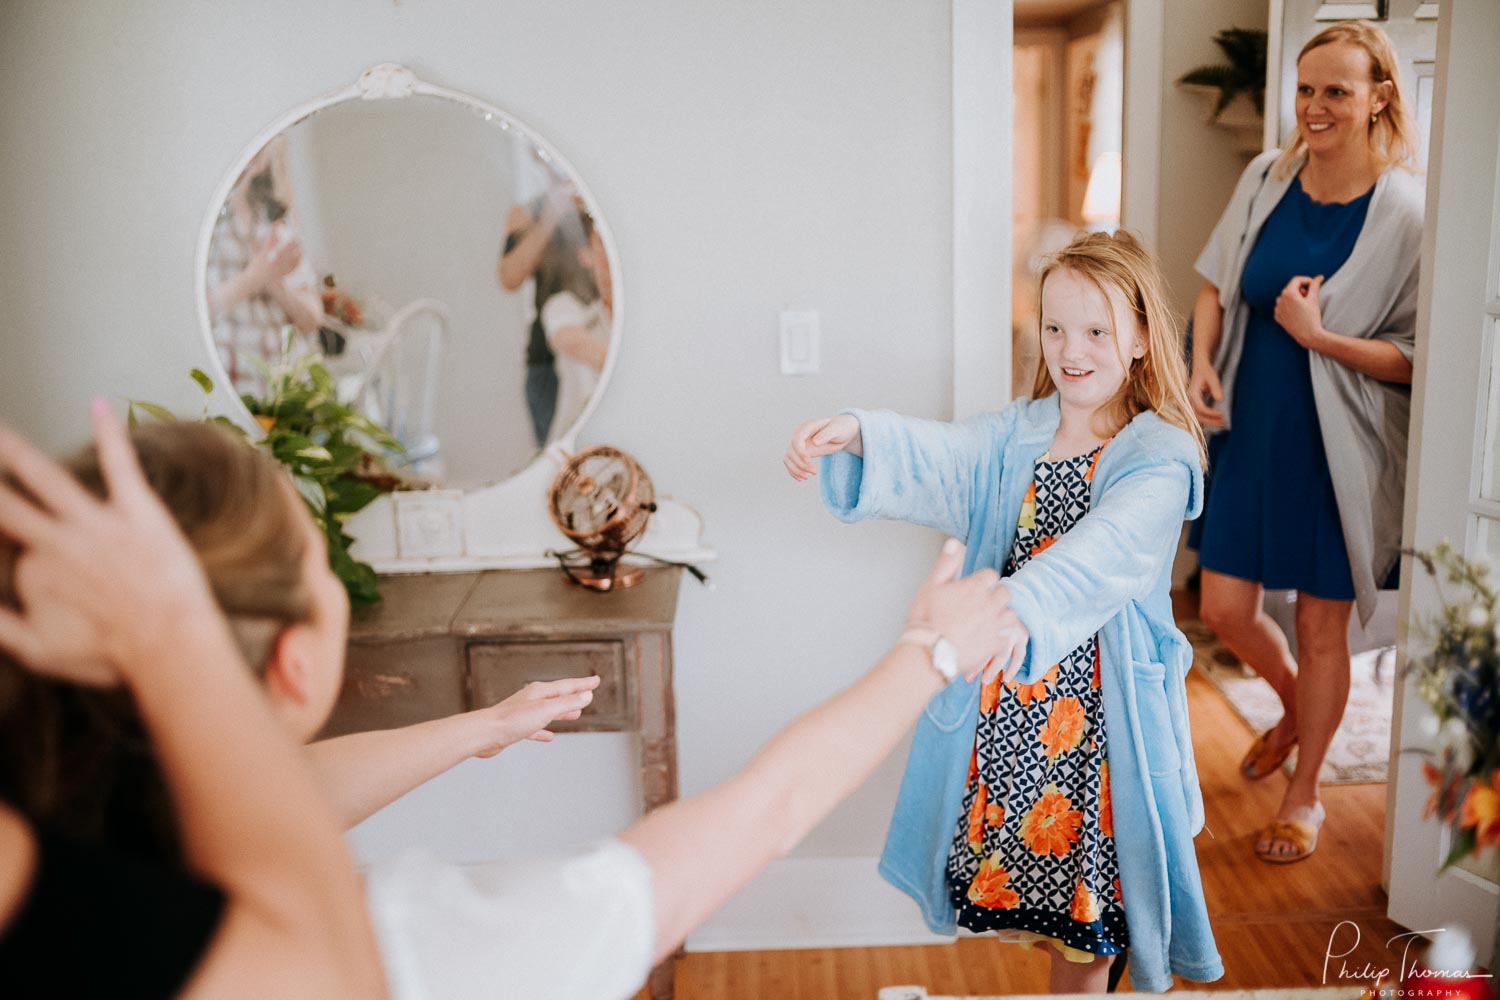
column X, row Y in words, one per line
column 1244, row 73
column 334, row 453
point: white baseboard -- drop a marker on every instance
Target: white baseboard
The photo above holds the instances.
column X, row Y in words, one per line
column 815, row 903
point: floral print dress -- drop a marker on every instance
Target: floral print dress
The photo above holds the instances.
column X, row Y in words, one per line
column 1033, row 854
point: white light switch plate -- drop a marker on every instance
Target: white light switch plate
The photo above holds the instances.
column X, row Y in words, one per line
column 799, row 342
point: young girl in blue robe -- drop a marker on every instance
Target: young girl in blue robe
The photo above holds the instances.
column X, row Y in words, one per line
column 1055, row 799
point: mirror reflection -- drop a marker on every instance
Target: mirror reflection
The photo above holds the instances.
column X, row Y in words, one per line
column 444, row 268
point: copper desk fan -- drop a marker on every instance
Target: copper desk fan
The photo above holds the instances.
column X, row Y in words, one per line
column 601, row 499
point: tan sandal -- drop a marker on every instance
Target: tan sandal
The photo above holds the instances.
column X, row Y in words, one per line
column 1301, row 831
column 1262, row 759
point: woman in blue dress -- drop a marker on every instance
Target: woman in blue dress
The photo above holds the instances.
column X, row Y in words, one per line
column 1302, row 497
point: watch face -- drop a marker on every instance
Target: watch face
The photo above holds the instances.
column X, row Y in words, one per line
column 945, row 658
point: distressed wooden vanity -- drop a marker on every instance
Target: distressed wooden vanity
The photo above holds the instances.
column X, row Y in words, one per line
column 444, row 643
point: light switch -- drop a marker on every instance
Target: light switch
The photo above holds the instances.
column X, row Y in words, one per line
column 799, row 342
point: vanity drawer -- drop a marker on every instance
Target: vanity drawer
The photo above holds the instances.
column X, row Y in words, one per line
column 393, row 684
column 498, row 670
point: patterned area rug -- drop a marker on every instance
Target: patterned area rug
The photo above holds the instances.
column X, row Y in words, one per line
column 1361, row 745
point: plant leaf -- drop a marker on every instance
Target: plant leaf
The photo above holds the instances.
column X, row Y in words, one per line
column 204, row 382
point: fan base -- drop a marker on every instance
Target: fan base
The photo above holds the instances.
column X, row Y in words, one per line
column 613, row 581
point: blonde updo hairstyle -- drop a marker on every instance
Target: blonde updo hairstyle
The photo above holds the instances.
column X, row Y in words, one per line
column 77, row 759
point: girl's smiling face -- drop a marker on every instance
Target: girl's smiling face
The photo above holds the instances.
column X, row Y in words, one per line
column 1335, row 97
column 1087, row 361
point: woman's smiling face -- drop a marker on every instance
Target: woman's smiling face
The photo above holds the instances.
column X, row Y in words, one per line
column 1335, row 97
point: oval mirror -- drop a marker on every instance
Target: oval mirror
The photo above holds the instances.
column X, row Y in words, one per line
column 439, row 258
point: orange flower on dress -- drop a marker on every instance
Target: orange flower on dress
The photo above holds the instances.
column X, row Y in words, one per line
column 1043, row 544
column 994, row 815
column 1065, row 727
column 1029, row 693
column 1119, row 896
column 1051, row 827
column 1085, row 904
column 1106, row 805
column 989, row 886
column 1481, row 810
column 989, row 695
column 975, row 835
column 1028, row 508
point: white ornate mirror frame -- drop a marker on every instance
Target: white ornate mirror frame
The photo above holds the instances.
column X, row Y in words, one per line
column 505, row 525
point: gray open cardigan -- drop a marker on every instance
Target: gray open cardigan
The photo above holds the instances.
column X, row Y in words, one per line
column 1374, row 294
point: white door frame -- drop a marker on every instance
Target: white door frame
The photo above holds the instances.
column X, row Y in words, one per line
column 983, row 35
column 1458, row 317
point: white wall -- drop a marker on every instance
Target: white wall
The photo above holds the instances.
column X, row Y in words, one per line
column 1197, row 166
column 749, row 157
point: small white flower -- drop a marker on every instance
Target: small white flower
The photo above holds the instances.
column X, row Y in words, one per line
column 1478, row 616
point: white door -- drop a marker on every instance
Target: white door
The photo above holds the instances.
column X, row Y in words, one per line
column 1453, row 479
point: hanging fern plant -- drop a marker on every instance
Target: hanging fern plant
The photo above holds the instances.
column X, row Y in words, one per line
column 1245, row 73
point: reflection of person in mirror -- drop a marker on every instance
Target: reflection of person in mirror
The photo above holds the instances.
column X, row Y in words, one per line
column 542, row 241
column 259, row 281
column 578, row 334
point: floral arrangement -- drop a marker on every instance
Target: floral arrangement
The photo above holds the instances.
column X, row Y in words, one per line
column 1458, row 676
column 334, row 453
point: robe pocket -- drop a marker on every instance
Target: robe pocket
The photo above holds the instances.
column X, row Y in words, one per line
column 951, row 706
column 1155, row 715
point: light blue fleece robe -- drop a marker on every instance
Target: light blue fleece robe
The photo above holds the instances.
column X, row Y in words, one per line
column 1110, row 574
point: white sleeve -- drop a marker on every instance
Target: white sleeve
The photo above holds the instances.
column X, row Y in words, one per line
column 575, row 928
column 563, row 309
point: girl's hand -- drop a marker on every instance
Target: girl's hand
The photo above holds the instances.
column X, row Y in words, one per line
column 526, row 714
column 1012, row 637
column 99, row 583
column 817, row 438
column 1298, row 312
column 1204, row 386
column 970, row 613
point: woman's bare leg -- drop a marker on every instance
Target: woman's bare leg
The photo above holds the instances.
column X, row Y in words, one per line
column 1235, row 610
column 1322, row 692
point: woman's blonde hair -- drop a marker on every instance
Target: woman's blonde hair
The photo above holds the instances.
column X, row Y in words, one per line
column 1392, row 133
column 1156, row 381
column 77, row 758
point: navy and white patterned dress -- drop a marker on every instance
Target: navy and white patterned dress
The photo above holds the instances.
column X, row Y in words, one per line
column 1033, row 854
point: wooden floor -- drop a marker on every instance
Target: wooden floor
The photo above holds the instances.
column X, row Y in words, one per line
column 1273, row 923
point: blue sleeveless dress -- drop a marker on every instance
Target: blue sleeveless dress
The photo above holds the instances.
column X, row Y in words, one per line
column 1271, row 515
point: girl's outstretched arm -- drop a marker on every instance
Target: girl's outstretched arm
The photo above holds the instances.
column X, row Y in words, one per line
column 703, row 849
column 902, row 468
column 363, row 773
column 251, row 817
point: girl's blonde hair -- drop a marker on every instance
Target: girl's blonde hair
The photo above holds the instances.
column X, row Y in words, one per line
column 1392, row 134
column 1156, row 381
column 77, row 758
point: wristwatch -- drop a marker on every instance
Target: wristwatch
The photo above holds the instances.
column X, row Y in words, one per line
column 944, row 656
